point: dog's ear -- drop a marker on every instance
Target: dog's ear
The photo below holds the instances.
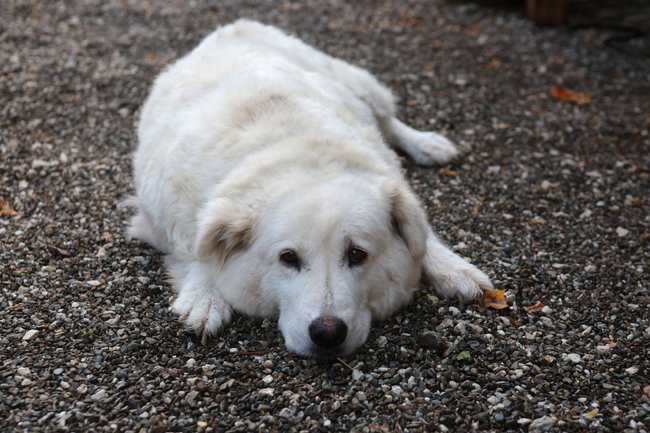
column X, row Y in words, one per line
column 408, row 219
column 225, row 226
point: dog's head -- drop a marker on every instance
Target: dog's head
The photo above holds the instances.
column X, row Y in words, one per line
column 328, row 258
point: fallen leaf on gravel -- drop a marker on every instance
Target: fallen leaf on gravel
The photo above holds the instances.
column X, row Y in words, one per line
column 463, row 356
column 447, row 172
column 566, row 95
column 646, row 390
column 60, row 251
column 535, row 307
column 636, row 202
column 548, row 359
column 495, row 299
column 592, row 413
column 409, row 19
column 494, row 64
column 5, row 209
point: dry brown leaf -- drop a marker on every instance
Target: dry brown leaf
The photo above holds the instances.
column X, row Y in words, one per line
column 474, row 31
column 646, row 390
column 495, row 299
column 409, row 19
column 636, row 202
column 535, row 307
column 571, row 96
column 494, row 64
column 548, row 359
column 60, row 251
column 447, row 172
column 5, row 209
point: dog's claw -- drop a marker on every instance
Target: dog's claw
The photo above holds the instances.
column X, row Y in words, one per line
column 204, row 337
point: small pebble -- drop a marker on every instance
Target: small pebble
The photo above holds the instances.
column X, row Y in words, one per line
column 432, row 340
column 30, row 335
column 573, row 357
column 99, row 395
column 267, row 392
column 542, row 423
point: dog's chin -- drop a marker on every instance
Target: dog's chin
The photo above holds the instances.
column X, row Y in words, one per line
column 314, row 351
column 311, row 350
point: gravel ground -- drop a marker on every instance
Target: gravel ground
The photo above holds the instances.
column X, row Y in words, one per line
column 552, row 200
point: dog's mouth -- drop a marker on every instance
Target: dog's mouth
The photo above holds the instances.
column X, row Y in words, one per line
column 327, row 353
column 323, row 353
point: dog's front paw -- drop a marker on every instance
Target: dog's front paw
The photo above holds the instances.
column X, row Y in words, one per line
column 454, row 277
column 202, row 312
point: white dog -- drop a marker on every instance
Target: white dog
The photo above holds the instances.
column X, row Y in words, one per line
column 262, row 171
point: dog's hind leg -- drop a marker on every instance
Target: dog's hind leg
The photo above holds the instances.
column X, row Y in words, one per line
column 451, row 275
column 425, row 148
column 198, row 303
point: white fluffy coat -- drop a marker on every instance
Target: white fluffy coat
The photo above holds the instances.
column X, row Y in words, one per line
column 256, row 144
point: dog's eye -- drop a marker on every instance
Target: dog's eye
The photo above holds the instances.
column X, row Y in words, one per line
column 356, row 256
column 290, row 258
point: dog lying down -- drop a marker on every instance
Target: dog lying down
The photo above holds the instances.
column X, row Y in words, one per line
column 263, row 173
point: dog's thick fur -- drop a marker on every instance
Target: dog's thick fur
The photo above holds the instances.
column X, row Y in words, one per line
column 262, row 171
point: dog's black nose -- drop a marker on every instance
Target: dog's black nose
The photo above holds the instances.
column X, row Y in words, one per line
column 328, row 331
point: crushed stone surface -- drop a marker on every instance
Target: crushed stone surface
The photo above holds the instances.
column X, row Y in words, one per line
column 552, row 199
